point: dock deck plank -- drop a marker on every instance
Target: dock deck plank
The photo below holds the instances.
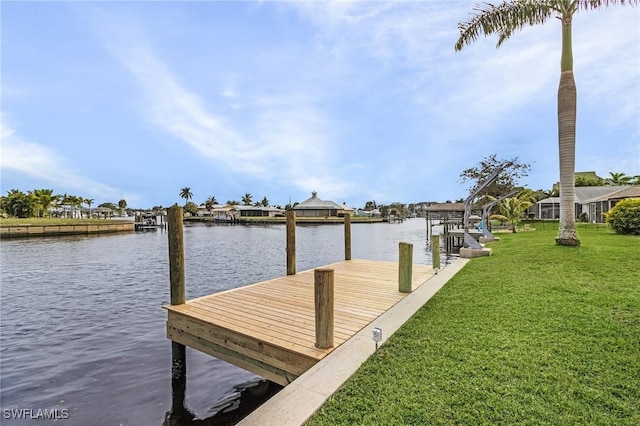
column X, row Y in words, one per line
column 269, row 327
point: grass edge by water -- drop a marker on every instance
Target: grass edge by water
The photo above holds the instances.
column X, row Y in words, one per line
column 535, row 334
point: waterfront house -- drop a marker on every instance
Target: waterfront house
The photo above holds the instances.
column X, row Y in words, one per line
column 549, row 208
column 257, row 211
column 315, row 207
column 600, row 205
column 368, row 213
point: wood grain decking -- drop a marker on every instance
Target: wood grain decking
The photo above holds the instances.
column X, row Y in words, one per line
column 269, row 328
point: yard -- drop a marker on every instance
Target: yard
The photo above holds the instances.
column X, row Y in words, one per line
column 534, row 334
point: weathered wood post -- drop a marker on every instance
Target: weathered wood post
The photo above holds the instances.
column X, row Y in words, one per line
column 323, row 292
column 177, row 282
column 347, row 236
column 435, row 252
column 405, row 268
column 176, row 255
column 291, row 242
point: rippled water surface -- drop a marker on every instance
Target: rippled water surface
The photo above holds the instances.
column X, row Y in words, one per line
column 82, row 327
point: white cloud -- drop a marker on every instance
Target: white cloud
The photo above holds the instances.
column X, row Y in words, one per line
column 280, row 136
column 35, row 160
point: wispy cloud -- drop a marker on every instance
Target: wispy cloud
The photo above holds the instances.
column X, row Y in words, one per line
column 38, row 161
column 280, row 136
column 476, row 97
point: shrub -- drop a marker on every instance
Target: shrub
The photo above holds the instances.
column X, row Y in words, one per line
column 624, row 217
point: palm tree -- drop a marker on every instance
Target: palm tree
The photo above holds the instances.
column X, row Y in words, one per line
column 88, row 202
column 76, row 203
column 265, row 202
column 512, row 209
column 18, row 204
column 211, row 201
column 43, row 200
column 247, row 199
column 123, row 205
column 506, row 18
column 186, row 194
column 620, row 179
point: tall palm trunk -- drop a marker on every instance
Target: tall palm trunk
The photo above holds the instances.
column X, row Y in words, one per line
column 567, row 98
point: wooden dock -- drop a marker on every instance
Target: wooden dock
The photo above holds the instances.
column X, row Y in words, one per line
column 268, row 328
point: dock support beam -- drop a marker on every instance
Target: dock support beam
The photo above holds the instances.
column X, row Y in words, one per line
column 405, row 268
column 323, row 292
column 291, row 242
column 176, row 276
column 435, row 252
column 347, row 236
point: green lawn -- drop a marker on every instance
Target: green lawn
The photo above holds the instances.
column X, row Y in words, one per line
column 534, row 334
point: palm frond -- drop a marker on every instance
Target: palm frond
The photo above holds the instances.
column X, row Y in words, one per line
column 597, row 4
column 504, row 19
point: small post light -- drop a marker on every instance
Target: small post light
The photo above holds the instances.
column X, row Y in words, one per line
column 377, row 336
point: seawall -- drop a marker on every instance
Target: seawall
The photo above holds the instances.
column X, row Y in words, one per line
column 53, row 230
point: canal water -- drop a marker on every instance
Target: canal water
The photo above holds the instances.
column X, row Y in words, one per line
column 82, row 329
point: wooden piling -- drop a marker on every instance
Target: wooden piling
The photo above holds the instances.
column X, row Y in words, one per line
column 405, row 268
column 323, row 292
column 435, row 252
column 347, row 236
column 291, row 242
column 176, row 255
column 177, row 282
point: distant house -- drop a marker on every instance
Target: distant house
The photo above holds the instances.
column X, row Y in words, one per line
column 257, row 211
column 549, row 208
column 600, row 205
column 368, row 213
column 315, row 207
column 226, row 212
column 220, row 212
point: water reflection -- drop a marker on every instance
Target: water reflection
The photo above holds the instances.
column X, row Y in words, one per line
column 230, row 409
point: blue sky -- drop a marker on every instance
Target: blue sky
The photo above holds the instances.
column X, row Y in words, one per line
column 355, row 100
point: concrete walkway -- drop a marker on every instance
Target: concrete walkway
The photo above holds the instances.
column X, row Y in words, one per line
column 297, row 402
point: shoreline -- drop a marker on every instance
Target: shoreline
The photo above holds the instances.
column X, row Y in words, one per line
column 37, row 227
column 283, row 220
column 34, row 230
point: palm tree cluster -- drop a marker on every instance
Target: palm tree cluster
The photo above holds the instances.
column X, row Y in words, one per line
column 209, row 203
column 41, row 202
column 622, row 179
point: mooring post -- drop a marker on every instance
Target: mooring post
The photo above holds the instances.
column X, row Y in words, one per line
column 347, row 236
column 176, row 255
column 323, row 291
column 291, row 242
column 435, row 252
column 405, row 268
column 176, row 277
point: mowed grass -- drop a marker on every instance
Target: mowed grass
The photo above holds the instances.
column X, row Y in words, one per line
column 535, row 334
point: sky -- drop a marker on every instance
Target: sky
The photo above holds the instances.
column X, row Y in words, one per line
column 358, row 101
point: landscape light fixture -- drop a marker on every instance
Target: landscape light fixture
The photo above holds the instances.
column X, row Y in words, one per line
column 377, row 336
